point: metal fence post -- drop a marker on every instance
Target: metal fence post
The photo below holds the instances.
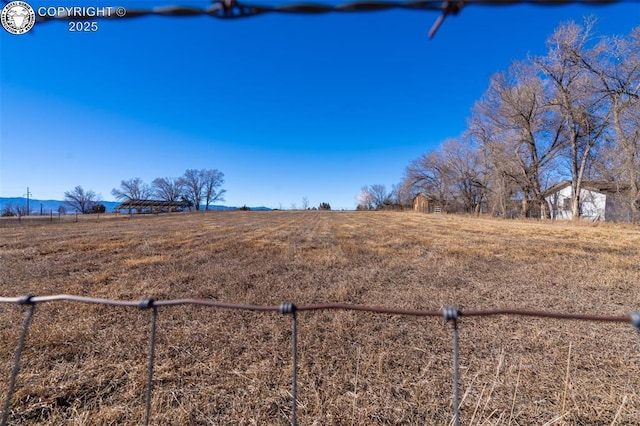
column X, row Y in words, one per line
column 290, row 308
column 635, row 320
column 146, row 304
column 26, row 300
column 451, row 314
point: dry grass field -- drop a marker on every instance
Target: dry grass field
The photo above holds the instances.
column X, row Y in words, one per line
column 86, row 364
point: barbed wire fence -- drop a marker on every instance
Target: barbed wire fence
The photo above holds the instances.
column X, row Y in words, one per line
column 448, row 313
column 234, row 9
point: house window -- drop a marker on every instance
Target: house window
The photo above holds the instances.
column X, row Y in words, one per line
column 566, row 204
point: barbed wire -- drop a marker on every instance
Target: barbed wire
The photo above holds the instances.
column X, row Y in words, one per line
column 447, row 313
column 233, row 9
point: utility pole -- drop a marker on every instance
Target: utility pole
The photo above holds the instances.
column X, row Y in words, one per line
column 28, row 193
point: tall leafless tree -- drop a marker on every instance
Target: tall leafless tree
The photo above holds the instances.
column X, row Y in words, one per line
column 430, row 175
column 517, row 108
column 80, row 199
column 305, row 203
column 501, row 168
column 365, row 198
column 401, row 195
column 193, row 187
column 456, row 173
column 379, row 194
column 374, row 196
column 615, row 64
column 468, row 172
column 212, row 186
column 132, row 189
column 575, row 99
column 203, row 185
column 167, row 189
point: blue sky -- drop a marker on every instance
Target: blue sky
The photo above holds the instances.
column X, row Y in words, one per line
column 286, row 106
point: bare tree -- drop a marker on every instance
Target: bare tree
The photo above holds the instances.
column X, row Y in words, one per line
column 501, row 169
column 430, row 175
column 193, row 187
column 517, row 111
column 22, row 210
column 305, row 203
column 401, row 195
column 80, row 200
column 365, row 199
column 575, row 100
column 167, row 189
column 203, row 185
column 212, row 182
column 374, row 197
column 132, row 189
column 615, row 64
column 380, row 196
column 468, row 172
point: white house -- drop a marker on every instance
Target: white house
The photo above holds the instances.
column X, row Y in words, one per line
column 598, row 200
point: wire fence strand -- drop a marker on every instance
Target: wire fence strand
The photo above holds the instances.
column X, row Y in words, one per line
column 448, row 313
column 233, row 9
column 633, row 317
column 230, row 9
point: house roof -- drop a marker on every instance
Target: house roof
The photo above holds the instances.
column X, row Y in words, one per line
column 604, row 187
column 428, row 197
column 147, row 204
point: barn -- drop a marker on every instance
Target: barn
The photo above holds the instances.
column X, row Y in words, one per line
column 599, row 201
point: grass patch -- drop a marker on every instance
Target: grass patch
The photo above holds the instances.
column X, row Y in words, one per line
column 86, row 364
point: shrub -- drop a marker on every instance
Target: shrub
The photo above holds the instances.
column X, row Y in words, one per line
column 98, row 208
column 8, row 212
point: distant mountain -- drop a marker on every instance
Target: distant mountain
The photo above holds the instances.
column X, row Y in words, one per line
column 47, row 206
column 217, row 207
column 44, row 206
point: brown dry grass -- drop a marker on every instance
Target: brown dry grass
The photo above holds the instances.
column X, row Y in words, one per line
column 85, row 364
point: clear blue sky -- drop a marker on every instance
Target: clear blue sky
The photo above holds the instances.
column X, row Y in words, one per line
column 286, row 106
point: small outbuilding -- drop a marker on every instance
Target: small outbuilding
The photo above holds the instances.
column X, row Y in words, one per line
column 425, row 204
column 599, row 200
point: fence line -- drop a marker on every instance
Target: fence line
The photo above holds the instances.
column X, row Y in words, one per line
column 448, row 313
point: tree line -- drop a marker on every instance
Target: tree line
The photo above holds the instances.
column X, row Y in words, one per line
column 194, row 188
column 573, row 113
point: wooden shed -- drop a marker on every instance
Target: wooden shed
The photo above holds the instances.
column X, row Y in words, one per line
column 421, row 203
column 424, row 204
